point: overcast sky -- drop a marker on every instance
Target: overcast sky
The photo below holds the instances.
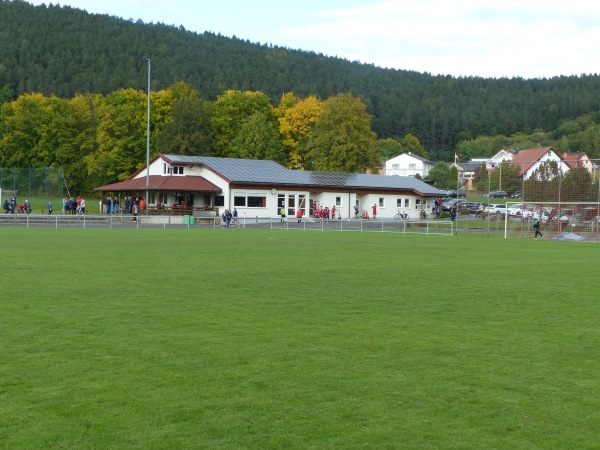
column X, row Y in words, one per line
column 509, row 38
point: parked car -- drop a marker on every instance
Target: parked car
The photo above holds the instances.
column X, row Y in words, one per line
column 516, row 194
column 495, row 208
column 496, row 194
column 518, row 210
column 457, row 194
column 447, row 203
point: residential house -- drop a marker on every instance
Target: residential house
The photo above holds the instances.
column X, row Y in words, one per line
column 501, row 157
column 578, row 159
column 408, row 165
column 528, row 161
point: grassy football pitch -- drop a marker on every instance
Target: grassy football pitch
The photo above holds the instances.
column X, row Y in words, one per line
column 232, row 339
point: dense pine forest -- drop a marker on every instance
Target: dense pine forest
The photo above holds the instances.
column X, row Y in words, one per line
column 73, row 94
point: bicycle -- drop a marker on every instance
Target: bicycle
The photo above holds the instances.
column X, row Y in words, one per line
column 401, row 215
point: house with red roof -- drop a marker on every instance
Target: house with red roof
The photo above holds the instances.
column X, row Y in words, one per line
column 528, row 161
column 578, row 159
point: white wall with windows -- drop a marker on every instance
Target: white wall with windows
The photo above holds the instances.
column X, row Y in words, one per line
column 408, row 165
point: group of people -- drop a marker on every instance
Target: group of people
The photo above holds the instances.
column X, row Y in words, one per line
column 12, row 206
column 112, row 205
column 365, row 213
column 323, row 213
column 230, row 218
column 70, row 205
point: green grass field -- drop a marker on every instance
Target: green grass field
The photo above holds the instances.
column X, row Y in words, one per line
column 270, row 339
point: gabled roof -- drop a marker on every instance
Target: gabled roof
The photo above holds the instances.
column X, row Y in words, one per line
column 268, row 173
column 527, row 158
column 160, row 183
column 412, row 155
column 572, row 159
column 470, row 166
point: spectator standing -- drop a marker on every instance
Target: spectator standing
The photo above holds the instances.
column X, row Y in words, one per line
column 13, row 204
column 235, row 217
column 49, row 207
column 374, row 208
column 282, row 213
column 299, row 215
column 128, row 204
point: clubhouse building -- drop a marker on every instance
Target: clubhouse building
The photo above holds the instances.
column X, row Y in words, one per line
column 201, row 185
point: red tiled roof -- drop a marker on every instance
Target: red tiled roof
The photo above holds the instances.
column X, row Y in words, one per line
column 527, row 158
column 162, row 183
column 572, row 159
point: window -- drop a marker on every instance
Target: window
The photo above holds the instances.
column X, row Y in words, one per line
column 407, row 202
column 399, row 202
column 219, row 200
column 338, row 201
column 257, row 202
column 412, row 166
column 418, row 204
column 395, row 166
column 166, row 169
column 381, row 203
column 250, row 201
column 177, row 170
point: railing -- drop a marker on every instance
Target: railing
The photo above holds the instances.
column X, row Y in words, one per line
column 106, row 221
column 433, row 226
column 179, row 211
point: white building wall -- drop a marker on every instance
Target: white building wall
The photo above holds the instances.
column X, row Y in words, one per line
column 548, row 157
column 407, row 165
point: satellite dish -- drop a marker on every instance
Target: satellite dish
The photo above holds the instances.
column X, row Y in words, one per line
column 273, row 191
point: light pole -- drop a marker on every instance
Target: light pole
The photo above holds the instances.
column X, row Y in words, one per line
column 148, row 136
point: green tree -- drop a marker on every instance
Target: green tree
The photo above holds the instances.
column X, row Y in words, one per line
column 258, row 138
column 453, row 178
column 230, row 111
column 481, row 179
column 412, row 144
column 187, row 130
column 544, row 183
column 388, row 148
column 578, row 186
column 505, row 177
column 342, row 140
column 439, row 175
column 121, row 136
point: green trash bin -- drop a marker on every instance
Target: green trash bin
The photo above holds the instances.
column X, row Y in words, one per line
column 188, row 220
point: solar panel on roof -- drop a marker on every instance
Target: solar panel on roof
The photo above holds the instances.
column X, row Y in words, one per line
column 270, row 172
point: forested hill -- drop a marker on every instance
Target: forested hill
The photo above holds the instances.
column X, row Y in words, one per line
column 64, row 51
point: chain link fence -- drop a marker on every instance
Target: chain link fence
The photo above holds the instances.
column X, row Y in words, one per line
column 38, row 185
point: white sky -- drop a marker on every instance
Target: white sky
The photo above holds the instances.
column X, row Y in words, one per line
column 508, row 38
